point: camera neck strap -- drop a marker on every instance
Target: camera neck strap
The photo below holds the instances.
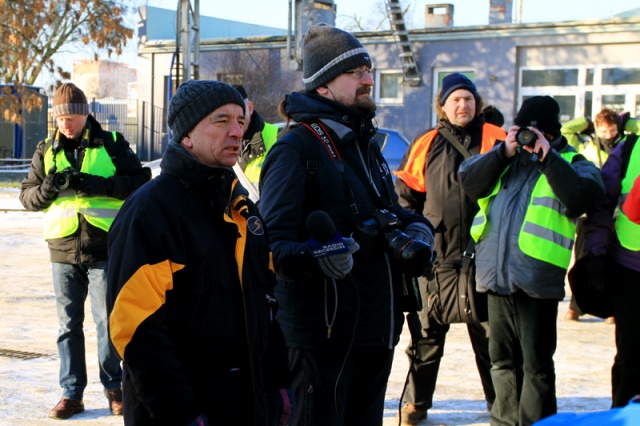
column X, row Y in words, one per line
column 320, row 131
column 446, row 133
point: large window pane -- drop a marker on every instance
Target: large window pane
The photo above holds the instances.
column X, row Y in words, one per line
column 533, row 78
column 621, row 76
column 390, row 85
column 613, row 102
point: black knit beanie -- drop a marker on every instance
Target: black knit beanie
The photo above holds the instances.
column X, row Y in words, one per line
column 544, row 110
column 69, row 99
column 328, row 52
column 196, row 99
column 456, row 81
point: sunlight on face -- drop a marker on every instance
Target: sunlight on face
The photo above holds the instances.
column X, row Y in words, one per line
column 352, row 92
column 460, row 107
column 216, row 139
column 607, row 131
column 71, row 125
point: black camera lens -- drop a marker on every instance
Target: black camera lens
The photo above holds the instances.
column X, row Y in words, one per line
column 61, row 181
column 413, row 255
column 526, row 137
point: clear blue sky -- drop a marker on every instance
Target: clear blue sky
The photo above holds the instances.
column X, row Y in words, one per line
column 466, row 12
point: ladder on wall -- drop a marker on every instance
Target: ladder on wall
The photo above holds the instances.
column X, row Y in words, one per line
column 407, row 58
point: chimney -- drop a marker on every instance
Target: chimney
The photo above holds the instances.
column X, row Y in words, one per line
column 500, row 12
column 438, row 15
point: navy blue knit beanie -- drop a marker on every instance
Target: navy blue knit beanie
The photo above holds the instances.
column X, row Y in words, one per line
column 196, row 99
column 544, row 110
column 328, row 52
column 456, row 81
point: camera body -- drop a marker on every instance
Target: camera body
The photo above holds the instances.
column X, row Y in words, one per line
column 525, row 136
column 68, row 177
column 381, row 231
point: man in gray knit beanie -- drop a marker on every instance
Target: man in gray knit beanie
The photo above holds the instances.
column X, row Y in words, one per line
column 348, row 180
column 327, row 53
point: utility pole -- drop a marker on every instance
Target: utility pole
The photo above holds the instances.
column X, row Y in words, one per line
column 189, row 40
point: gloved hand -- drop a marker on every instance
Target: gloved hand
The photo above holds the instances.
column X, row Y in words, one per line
column 201, row 420
column 622, row 123
column 597, row 270
column 337, row 266
column 47, row 188
column 590, row 130
column 93, row 186
column 421, row 232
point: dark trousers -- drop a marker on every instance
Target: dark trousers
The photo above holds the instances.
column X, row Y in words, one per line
column 336, row 389
column 426, row 354
column 522, row 345
column 625, row 374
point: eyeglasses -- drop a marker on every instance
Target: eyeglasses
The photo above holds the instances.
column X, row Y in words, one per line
column 359, row 73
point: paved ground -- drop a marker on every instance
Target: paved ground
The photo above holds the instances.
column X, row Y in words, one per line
column 29, row 387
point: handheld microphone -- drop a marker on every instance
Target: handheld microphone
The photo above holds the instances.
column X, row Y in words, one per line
column 325, row 238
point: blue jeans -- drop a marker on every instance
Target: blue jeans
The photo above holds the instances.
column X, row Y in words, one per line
column 71, row 283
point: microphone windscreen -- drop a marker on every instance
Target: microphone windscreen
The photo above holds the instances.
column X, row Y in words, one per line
column 321, row 226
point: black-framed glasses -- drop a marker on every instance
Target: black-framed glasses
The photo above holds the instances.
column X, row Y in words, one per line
column 359, row 73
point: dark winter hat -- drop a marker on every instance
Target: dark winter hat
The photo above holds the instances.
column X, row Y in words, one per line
column 240, row 88
column 196, row 99
column 69, row 99
column 328, row 52
column 544, row 110
column 456, row 81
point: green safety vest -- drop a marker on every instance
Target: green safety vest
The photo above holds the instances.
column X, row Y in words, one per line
column 590, row 151
column 61, row 217
column 269, row 137
column 628, row 232
column 546, row 233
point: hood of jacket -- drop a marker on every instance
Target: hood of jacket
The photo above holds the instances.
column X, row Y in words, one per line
column 303, row 107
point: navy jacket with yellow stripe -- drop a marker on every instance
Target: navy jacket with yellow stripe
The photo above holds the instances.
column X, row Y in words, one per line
column 190, row 295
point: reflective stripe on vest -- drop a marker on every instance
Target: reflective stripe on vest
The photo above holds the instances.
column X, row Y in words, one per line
column 269, row 137
column 546, row 234
column 412, row 174
column 628, row 232
column 61, row 217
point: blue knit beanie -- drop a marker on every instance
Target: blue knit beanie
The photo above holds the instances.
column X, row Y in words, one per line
column 456, row 81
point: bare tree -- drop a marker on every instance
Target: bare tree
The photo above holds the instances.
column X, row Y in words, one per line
column 258, row 71
column 375, row 20
column 33, row 31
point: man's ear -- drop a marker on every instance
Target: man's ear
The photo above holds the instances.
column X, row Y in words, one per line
column 186, row 142
column 323, row 90
column 249, row 105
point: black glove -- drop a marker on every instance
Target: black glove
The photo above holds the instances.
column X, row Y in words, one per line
column 597, row 271
column 421, row 232
column 590, row 130
column 622, row 123
column 47, row 188
column 94, row 186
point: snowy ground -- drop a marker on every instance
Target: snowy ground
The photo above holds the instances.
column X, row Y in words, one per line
column 29, row 387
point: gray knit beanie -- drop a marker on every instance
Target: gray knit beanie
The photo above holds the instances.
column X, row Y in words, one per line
column 196, row 99
column 69, row 99
column 328, row 52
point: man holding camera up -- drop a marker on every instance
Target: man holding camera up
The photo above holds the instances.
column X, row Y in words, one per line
column 530, row 188
column 339, row 272
column 80, row 178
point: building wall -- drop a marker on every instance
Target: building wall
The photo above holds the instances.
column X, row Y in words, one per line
column 495, row 55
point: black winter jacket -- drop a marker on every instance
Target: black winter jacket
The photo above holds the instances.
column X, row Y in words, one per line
column 192, row 330
column 312, row 305
column 88, row 244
